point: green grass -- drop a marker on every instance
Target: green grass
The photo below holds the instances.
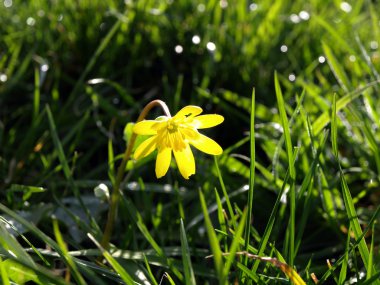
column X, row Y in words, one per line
column 299, row 178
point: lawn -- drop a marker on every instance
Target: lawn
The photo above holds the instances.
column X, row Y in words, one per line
column 189, row 142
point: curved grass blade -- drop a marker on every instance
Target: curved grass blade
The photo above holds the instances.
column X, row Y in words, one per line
column 65, row 255
column 115, row 265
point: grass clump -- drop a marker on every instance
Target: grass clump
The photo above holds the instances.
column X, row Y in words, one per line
column 294, row 196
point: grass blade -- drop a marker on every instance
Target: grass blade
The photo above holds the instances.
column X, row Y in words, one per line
column 66, row 256
column 214, row 242
column 187, row 265
column 115, row 265
column 292, row 171
column 251, row 175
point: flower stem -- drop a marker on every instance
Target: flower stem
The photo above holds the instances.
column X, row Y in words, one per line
column 115, row 197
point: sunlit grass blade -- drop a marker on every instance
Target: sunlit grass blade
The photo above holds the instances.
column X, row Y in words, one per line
column 115, row 265
column 38, row 233
column 325, row 118
column 65, row 255
column 187, row 265
column 371, row 253
column 251, row 174
column 235, row 243
column 138, row 220
column 334, row 128
column 224, row 190
column 102, row 46
column 3, row 273
column 292, row 171
column 61, row 155
column 214, row 242
column 336, row 68
column 150, row 273
column 343, row 269
column 221, row 217
column 351, row 211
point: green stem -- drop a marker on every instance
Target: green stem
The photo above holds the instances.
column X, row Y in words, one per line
column 115, row 197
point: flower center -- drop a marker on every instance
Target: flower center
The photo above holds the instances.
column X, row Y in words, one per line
column 172, row 127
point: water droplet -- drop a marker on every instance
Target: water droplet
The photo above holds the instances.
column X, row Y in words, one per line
column 223, row 4
column 44, row 67
column 346, row 7
column 304, row 15
column 60, row 17
column 41, row 13
column 115, row 100
column 30, row 21
column 292, row 77
column 284, row 48
column 295, row 18
column 3, row 77
column 102, row 191
column 8, row 3
column 133, row 186
column 321, row 59
column 374, row 45
column 211, row 46
column 167, row 188
column 196, row 39
column 253, row 7
column 201, row 7
column 178, row 49
column 352, row 58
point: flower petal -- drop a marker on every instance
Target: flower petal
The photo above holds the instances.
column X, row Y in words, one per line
column 207, row 121
column 145, row 127
column 185, row 161
column 188, row 111
column 164, row 157
column 146, row 147
column 207, row 145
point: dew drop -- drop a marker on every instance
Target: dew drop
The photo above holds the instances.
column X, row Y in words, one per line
column 292, row 77
column 352, row 58
column 295, row 18
column 346, row 7
column 41, row 13
column 223, row 4
column 44, row 67
column 30, row 21
column 178, row 49
column 196, row 39
column 284, row 48
column 253, row 7
column 211, row 46
column 8, row 3
column 3, row 77
column 374, row 45
column 201, row 7
column 304, row 15
column 321, row 59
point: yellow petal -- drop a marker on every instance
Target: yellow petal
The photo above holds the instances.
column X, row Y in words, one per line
column 207, row 145
column 185, row 161
column 207, row 121
column 188, row 111
column 164, row 157
column 146, row 147
column 145, row 127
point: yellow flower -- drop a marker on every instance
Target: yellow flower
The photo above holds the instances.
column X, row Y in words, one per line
column 177, row 134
